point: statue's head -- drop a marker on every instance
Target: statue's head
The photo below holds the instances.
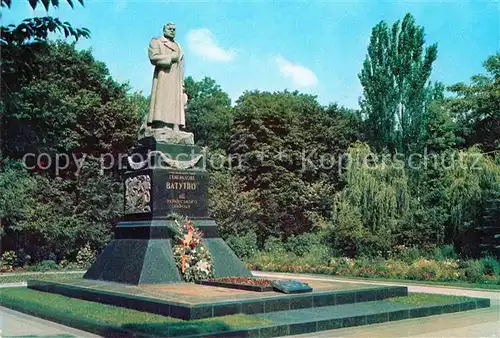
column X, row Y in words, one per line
column 169, row 30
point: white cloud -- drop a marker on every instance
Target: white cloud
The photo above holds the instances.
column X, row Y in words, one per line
column 301, row 76
column 202, row 43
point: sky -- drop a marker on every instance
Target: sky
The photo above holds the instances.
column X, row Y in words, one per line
column 316, row 47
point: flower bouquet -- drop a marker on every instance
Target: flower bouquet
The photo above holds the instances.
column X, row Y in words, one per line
column 192, row 258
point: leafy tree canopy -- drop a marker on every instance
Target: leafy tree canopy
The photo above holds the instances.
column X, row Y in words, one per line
column 38, row 28
column 394, row 77
column 66, row 102
column 476, row 107
column 209, row 114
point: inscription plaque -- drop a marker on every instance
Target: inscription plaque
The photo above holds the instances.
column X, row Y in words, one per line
column 182, row 192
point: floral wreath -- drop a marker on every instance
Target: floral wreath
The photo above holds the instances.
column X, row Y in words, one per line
column 191, row 257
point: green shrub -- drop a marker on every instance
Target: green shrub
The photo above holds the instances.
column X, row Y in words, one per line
column 274, row 244
column 474, row 270
column 67, row 265
column 407, row 254
column 43, row 266
column 491, row 266
column 243, row 246
column 444, row 252
column 9, row 258
column 317, row 255
column 85, row 257
column 22, row 258
column 302, row 244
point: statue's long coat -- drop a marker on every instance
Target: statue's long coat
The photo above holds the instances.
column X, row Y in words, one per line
column 167, row 95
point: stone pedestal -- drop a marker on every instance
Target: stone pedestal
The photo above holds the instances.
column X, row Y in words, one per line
column 162, row 179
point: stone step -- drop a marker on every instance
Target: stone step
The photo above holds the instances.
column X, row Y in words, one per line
column 312, row 320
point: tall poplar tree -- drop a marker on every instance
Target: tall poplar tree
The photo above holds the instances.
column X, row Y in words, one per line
column 394, row 77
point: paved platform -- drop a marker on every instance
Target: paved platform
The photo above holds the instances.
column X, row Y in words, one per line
column 194, row 294
column 194, row 301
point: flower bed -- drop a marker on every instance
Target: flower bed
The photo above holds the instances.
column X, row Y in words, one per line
column 485, row 271
column 240, row 283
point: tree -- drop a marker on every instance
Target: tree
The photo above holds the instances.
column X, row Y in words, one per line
column 473, row 195
column 49, row 217
column 38, row 28
column 285, row 147
column 394, row 77
column 234, row 209
column 67, row 102
column 429, row 218
column 209, row 114
column 71, row 106
column 30, row 30
column 476, row 107
column 370, row 210
column 35, row 3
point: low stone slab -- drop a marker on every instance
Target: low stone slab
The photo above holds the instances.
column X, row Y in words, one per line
column 294, row 322
column 291, row 286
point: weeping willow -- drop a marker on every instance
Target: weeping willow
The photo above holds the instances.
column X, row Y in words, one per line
column 471, row 176
column 376, row 194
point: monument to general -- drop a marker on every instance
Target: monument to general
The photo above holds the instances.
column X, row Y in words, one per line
column 165, row 175
column 167, row 95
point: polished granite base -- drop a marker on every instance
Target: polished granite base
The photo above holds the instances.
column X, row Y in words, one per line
column 331, row 305
column 192, row 301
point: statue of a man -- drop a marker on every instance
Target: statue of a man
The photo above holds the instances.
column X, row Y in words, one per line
column 167, row 96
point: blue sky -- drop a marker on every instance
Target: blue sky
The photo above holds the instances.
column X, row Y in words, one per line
column 317, row 47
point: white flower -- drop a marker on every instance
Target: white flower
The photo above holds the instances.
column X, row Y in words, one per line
column 203, row 266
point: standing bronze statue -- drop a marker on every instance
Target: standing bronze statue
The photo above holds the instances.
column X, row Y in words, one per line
column 166, row 113
column 167, row 95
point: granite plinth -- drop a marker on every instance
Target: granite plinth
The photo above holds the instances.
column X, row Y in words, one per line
column 141, row 251
column 193, row 301
column 149, row 149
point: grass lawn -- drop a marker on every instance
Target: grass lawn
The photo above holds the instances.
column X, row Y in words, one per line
column 422, row 299
column 105, row 319
column 24, row 276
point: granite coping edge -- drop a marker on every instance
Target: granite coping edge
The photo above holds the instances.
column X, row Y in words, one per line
column 283, row 329
column 31, row 282
column 212, row 310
